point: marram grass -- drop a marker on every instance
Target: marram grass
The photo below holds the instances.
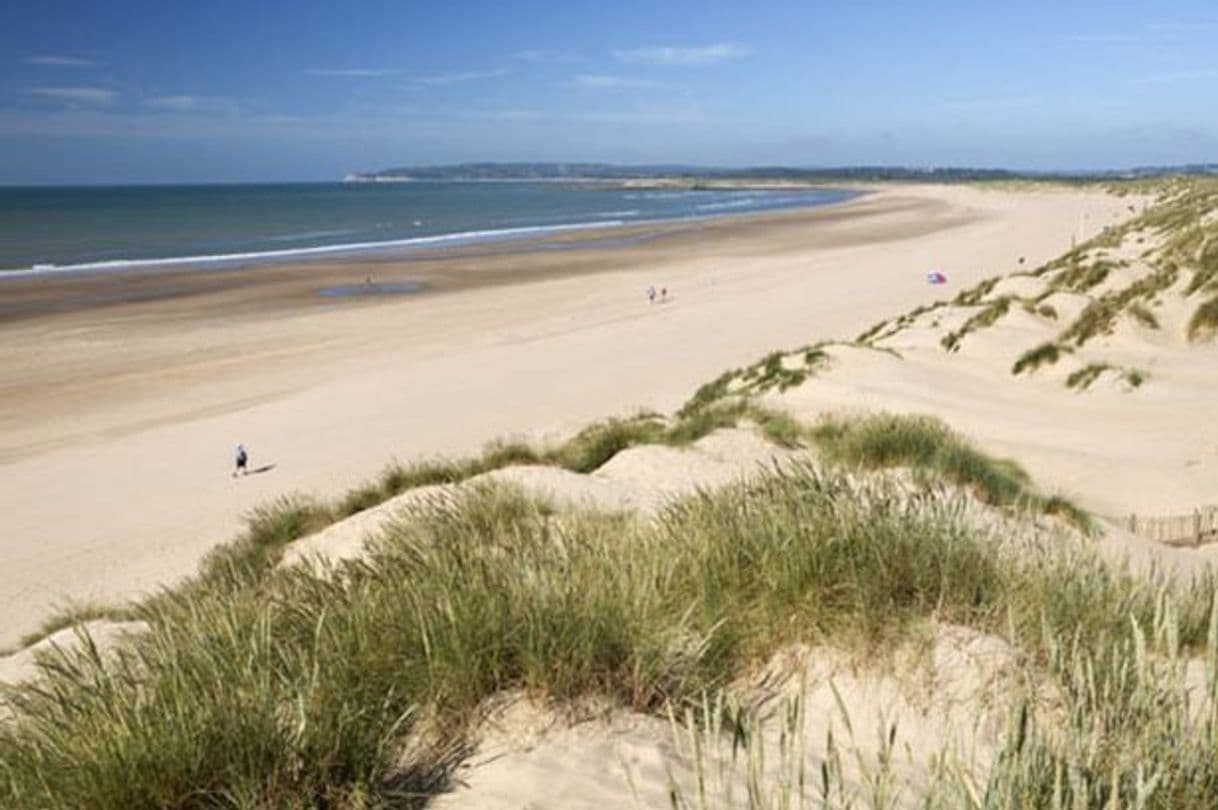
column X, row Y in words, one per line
column 359, row 690
column 927, row 446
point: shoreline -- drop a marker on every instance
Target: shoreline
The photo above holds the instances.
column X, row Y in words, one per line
column 403, row 247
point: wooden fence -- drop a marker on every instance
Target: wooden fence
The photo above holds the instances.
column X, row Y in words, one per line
column 1178, row 530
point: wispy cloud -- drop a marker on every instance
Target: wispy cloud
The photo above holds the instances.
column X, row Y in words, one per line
column 350, row 73
column 670, row 55
column 445, row 79
column 606, row 82
column 1156, row 33
column 61, row 61
column 78, row 95
column 1200, row 74
column 193, row 104
column 376, row 124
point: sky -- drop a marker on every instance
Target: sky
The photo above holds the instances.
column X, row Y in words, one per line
column 102, row 91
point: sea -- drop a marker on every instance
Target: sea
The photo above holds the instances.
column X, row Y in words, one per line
column 84, row 229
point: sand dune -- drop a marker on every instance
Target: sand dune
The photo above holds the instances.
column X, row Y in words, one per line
column 952, row 702
column 1121, row 447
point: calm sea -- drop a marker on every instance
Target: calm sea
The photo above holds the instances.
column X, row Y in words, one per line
column 57, row 229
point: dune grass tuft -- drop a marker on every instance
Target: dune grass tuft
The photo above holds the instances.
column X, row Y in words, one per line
column 1134, row 377
column 710, row 393
column 1205, row 273
column 1085, row 376
column 1080, row 277
column 1142, row 314
column 71, row 615
column 779, row 427
column 601, row 441
column 1203, row 325
column 975, row 295
column 871, row 332
column 1045, row 353
column 988, row 316
column 888, row 440
column 926, row 445
column 269, row 529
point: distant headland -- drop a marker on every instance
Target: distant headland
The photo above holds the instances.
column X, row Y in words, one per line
column 688, row 174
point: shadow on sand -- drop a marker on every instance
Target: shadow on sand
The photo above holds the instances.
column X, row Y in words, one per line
column 265, row 468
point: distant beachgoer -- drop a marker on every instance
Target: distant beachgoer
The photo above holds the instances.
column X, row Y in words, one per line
column 242, row 460
column 1021, row 259
column 663, row 294
column 651, row 295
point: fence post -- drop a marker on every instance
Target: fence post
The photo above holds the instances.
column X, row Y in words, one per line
column 1197, row 527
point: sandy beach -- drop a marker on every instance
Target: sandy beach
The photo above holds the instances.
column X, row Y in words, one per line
column 125, row 394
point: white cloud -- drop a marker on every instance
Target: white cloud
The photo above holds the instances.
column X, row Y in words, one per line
column 445, row 79
column 80, row 95
column 193, row 104
column 349, row 73
column 669, row 55
column 601, row 81
column 61, row 61
column 174, row 103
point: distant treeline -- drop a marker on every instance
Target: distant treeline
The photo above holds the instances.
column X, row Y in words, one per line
column 609, row 171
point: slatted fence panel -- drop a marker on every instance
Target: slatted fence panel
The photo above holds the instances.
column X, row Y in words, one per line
column 1194, row 529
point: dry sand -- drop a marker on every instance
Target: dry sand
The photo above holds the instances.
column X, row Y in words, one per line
column 124, row 395
column 947, row 700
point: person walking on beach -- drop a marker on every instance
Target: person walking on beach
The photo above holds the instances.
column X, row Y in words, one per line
column 242, row 460
column 651, row 295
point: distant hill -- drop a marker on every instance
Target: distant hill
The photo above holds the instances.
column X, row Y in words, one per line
column 609, row 171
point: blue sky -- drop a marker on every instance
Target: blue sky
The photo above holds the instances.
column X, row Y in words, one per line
column 167, row 91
